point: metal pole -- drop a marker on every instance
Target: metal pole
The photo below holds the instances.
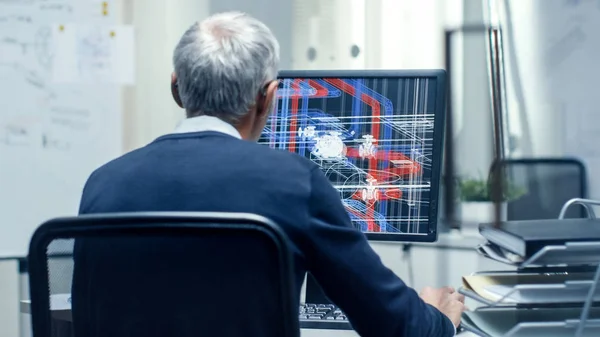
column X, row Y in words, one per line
column 496, row 85
column 449, row 169
column 497, row 173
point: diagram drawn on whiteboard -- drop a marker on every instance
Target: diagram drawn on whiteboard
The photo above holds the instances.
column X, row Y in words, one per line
column 53, row 134
column 43, row 46
column 372, row 138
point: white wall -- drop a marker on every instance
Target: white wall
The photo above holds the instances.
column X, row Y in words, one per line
column 553, row 73
column 149, row 107
column 390, row 34
column 331, row 28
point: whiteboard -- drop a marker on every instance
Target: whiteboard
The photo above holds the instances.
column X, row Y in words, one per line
column 52, row 135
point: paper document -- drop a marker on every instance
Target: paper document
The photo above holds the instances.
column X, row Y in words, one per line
column 530, row 288
column 498, row 254
column 93, row 54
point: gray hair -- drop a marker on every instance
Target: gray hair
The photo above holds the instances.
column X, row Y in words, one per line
column 222, row 64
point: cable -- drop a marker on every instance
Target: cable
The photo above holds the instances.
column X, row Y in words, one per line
column 407, row 257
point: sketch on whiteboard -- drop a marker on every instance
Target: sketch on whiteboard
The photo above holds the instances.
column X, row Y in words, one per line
column 73, row 118
column 56, row 7
column 13, row 39
column 31, row 79
column 17, row 18
column 19, row 129
column 12, row 50
column 93, row 53
column 43, row 46
column 52, row 136
column 54, row 143
column 9, row 41
column 14, row 135
column 65, row 115
column 35, row 80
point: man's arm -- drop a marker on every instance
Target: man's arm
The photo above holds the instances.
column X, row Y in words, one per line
column 352, row 275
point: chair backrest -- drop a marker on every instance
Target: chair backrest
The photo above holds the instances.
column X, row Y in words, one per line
column 546, row 185
column 163, row 274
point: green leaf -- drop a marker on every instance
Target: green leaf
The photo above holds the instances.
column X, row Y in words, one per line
column 480, row 190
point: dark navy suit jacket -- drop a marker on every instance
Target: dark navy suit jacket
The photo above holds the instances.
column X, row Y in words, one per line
column 211, row 171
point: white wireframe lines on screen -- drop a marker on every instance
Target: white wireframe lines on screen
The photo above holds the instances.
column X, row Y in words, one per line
column 371, row 137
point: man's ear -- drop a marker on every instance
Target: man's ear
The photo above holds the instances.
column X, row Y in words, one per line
column 266, row 98
column 175, row 90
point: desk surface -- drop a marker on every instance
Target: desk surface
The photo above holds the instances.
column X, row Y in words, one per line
column 351, row 333
column 61, row 309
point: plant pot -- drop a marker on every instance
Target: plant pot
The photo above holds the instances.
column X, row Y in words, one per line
column 475, row 212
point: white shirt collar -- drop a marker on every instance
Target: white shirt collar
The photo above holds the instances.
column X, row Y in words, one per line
column 207, row 123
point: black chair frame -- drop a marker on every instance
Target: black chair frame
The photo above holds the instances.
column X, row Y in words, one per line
column 546, row 161
column 152, row 223
column 496, row 173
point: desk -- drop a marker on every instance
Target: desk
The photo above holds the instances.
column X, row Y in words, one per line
column 61, row 310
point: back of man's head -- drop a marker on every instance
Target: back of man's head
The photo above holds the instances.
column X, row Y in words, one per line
column 222, row 64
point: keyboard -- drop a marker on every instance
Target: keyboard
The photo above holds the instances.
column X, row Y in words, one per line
column 323, row 316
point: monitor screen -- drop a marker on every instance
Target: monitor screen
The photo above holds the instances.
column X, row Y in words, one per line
column 377, row 136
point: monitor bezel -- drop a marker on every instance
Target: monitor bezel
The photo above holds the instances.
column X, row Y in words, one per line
column 438, row 135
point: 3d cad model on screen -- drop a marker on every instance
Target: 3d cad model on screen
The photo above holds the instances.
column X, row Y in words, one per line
column 371, row 137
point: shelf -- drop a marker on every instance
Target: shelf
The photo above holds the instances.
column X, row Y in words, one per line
column 507, row 303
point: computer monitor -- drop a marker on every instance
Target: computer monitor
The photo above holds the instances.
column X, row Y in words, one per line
column 377, row 136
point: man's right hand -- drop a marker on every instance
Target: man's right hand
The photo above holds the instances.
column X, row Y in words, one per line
column 448, row 301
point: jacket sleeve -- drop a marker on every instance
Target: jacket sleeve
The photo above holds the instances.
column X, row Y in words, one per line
column 375, row 300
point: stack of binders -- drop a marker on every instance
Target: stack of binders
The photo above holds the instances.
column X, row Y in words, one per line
column 553, row 290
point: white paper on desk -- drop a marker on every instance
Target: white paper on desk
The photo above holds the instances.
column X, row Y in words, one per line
column 94, row 54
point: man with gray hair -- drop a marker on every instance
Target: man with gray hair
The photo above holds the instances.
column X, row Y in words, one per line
column 226, row 80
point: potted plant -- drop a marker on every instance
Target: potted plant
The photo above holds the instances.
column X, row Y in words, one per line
column 477, row 200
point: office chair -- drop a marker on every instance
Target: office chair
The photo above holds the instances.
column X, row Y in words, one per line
column 162, row 274
column 546, row 184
